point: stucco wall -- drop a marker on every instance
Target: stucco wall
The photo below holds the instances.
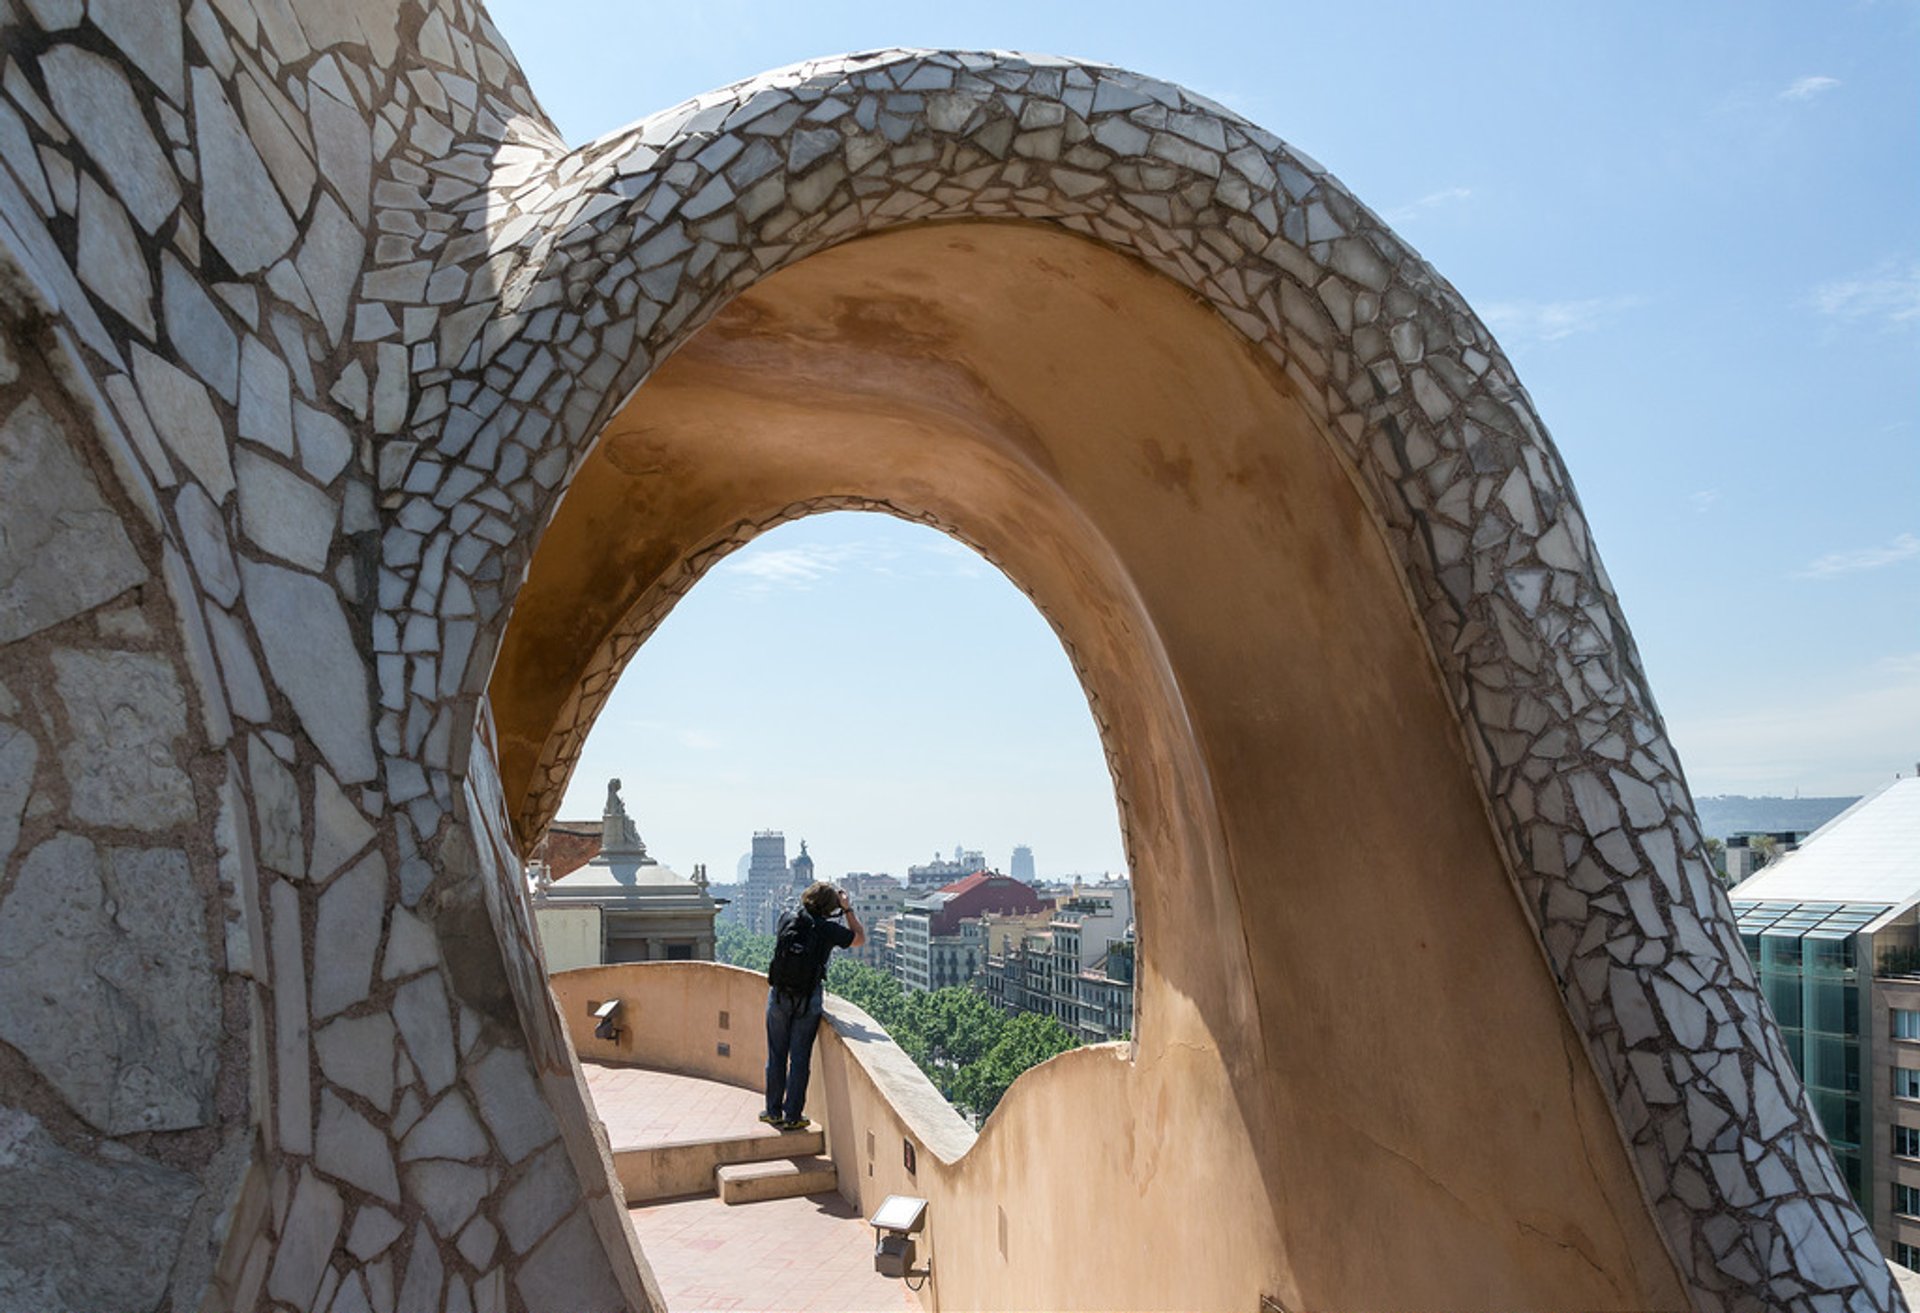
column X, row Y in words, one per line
column 1090, row 1143
column 569, row 936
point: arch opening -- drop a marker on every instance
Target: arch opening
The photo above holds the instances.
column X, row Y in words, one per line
column 1313, row 858
column 869, row 685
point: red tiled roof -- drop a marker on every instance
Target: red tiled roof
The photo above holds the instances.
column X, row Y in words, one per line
column 981, row 892
column 571, row 845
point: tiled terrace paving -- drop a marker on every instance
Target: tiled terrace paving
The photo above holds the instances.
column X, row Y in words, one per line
column 641, row 1106
column 807, row 1254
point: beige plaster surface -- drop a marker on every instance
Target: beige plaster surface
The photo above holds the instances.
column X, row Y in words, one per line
column 1354, row 1085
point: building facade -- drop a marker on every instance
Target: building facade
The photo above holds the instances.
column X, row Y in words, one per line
column 1747, row 852
column 1106, row 994
column 769, row 883
column 1021, row 867
column 1083, row 927
column 933, row 947
column 641, row 910
column 1833, row 930
column 1073, row 963
column 877, row 899
column 942, row 871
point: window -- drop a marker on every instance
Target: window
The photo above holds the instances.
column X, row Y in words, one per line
column 1906, row 1083
column 1906, row 1200
column 1906, row 1255
column 1906, row 1023
column 1906, row 1142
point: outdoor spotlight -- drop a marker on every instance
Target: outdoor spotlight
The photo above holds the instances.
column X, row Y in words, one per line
column 605, row 1015
column 899, row 1217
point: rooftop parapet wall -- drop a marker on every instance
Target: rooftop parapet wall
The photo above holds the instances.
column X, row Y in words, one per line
column 1009, row 1211
column 329, row 316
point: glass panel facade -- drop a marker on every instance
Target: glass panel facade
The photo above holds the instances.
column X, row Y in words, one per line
column 1906, row 1024
column 1906, row 1201
column 1906, row 1083
column 1906, row 1142
column 1807, row 961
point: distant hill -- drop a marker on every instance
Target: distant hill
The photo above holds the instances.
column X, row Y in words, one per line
column 1734, row 813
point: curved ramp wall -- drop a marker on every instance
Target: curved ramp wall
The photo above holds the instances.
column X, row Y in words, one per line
column 357, row 317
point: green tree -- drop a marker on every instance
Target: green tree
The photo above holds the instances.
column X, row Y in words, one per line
column 873, row 991
column 966, row 1046
column 741, row 947
column 1026, row 1040
column 962, row 1025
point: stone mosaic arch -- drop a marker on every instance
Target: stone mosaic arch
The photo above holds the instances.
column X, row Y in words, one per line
column 638, row 239
column 315, row 300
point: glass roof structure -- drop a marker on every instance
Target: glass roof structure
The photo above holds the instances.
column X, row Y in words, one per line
column 1804, row 920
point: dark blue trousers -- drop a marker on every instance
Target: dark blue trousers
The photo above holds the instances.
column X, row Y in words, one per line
column 792, row 1022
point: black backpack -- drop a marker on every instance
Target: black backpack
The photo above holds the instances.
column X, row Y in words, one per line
column 795, row 968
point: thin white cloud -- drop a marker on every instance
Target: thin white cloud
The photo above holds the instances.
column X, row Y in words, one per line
column 698, row 740
column 758, row 569
column 790, row 567
column 1806, row 88
column 1889, row 292
column 1904, row 547
column 1431, row 201
column 1550, row 321
column 1704, row 500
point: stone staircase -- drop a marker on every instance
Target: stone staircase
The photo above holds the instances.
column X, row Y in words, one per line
column 775, row 1178
column 755, row 1164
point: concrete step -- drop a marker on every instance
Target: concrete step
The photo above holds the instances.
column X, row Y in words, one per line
column 746, row 1183
column 684, row 1167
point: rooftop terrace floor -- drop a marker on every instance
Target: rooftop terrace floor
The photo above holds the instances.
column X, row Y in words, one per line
column 812, row 1254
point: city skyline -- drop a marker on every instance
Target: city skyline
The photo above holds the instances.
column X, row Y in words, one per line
column 1693, row 232
column 709, row 719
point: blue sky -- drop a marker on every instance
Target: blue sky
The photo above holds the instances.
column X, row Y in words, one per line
column 1694, row 228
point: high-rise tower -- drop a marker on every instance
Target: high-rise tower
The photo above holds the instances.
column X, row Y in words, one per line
column 768, row 881
column 1021, row 867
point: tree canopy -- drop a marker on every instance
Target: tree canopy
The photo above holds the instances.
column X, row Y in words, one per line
column 968, row 1048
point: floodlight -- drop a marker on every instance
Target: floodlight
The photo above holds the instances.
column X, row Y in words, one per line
column 606, row 1014
column 893, row 1251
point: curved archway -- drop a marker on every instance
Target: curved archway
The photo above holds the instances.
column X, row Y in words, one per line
column 659, row 227
column 1310, row 854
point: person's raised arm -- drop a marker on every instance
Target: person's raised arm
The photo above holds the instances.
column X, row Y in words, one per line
column 853, row 921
